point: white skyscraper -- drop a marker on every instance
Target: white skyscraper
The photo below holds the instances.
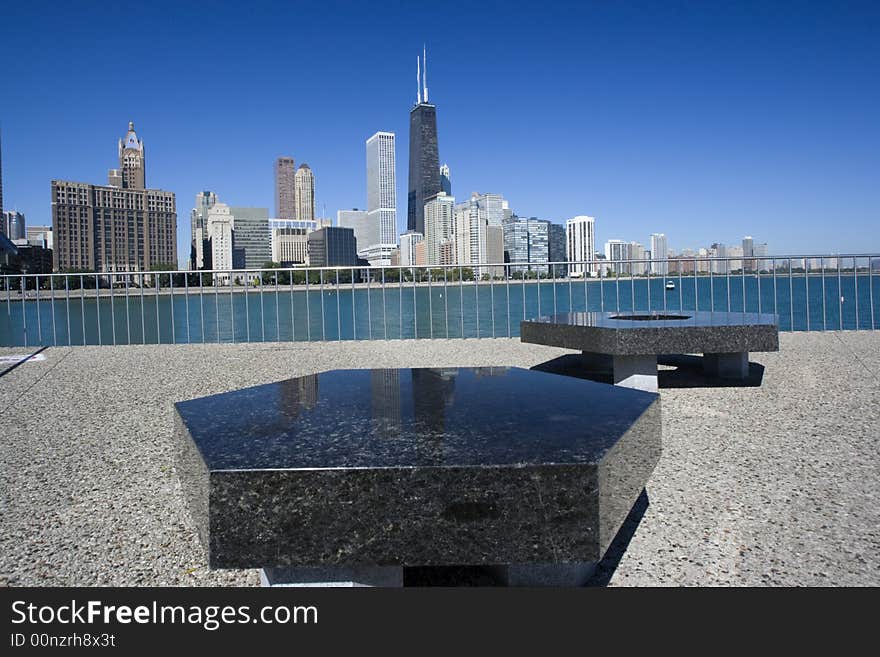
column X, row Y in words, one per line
column 381, row 197
column 365, row 226
column 580, row 245
column 659, row 253
column 439, row 226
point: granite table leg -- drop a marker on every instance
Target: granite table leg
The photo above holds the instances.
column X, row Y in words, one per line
column 733, row 365
column 638, row 372
column 383, row 576
column 546, row 574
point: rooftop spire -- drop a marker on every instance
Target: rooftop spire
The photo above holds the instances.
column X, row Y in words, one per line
column 425, row 70
column 418, row 82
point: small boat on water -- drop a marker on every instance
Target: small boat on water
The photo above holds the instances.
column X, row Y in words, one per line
column 670, row 285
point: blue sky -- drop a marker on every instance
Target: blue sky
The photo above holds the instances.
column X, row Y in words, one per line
column 706, row 121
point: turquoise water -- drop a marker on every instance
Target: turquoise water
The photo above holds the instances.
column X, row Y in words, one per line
column 439, row 311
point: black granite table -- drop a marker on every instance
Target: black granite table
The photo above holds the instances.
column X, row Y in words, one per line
column 634, row 340
column 352, row 475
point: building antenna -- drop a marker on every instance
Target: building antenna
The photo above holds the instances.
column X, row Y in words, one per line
column 425, row 70
column 418, row 82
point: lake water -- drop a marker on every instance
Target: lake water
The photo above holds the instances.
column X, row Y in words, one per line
column 439, row 311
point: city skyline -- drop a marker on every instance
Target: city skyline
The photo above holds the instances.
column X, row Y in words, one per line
column 735, row 143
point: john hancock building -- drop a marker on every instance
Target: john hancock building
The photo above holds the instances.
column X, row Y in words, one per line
column 121, row 226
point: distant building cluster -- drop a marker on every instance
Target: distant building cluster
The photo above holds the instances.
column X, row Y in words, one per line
column 124, row 226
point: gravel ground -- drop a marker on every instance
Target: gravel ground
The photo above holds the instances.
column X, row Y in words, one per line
column 768, row 485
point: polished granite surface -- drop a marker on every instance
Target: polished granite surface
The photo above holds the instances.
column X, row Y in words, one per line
column 658, row 319
column 415, row 467
column 411, row 417
column 626, row 333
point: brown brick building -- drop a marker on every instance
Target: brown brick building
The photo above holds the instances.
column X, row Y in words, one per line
column 121, row 226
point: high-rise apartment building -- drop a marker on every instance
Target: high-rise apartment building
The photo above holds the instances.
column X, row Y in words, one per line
column 285, row 188
column 526, row 239
column 580, row 245
column 424, row 156
column 304, row 187
column 439, row 228
column 382, row 187
column 121, row 226
column 13, row 225
column 617, row 253
column 659, row 253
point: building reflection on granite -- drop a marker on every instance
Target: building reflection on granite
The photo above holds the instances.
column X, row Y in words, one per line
column 385, row 401
column 298, row 394
column 433, row 390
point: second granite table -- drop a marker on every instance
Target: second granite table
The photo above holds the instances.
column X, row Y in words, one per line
column 353, row 475
column 634, row 339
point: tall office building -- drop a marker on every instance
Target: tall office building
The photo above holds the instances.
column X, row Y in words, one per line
column 304, row 187
column 332, row 247
column 556, row 243
column 659, row 253
column 199, row 229
column 382, row 186
column 439, row 228
column 365, row 227
column 251, row 239
column 13, row 225
column 424, row 156
column 285, row 188
column 121, row 226
column 580, row 245
column 445, row 180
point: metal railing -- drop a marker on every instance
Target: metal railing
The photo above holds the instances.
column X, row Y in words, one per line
column 807, row 292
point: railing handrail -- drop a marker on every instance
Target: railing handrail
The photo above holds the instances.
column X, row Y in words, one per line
column 519, row 263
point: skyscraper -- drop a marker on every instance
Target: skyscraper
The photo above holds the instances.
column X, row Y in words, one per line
column 580, row 245
column 304, row 186
column 659, row 253
column 445, row 180
column 13, row 225
column 424, row 157
column 382, row 185
column 121, row 226
column 439, row 227
column 285, row 189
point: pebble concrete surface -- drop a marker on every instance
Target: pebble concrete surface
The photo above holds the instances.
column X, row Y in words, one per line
column 770, row 484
